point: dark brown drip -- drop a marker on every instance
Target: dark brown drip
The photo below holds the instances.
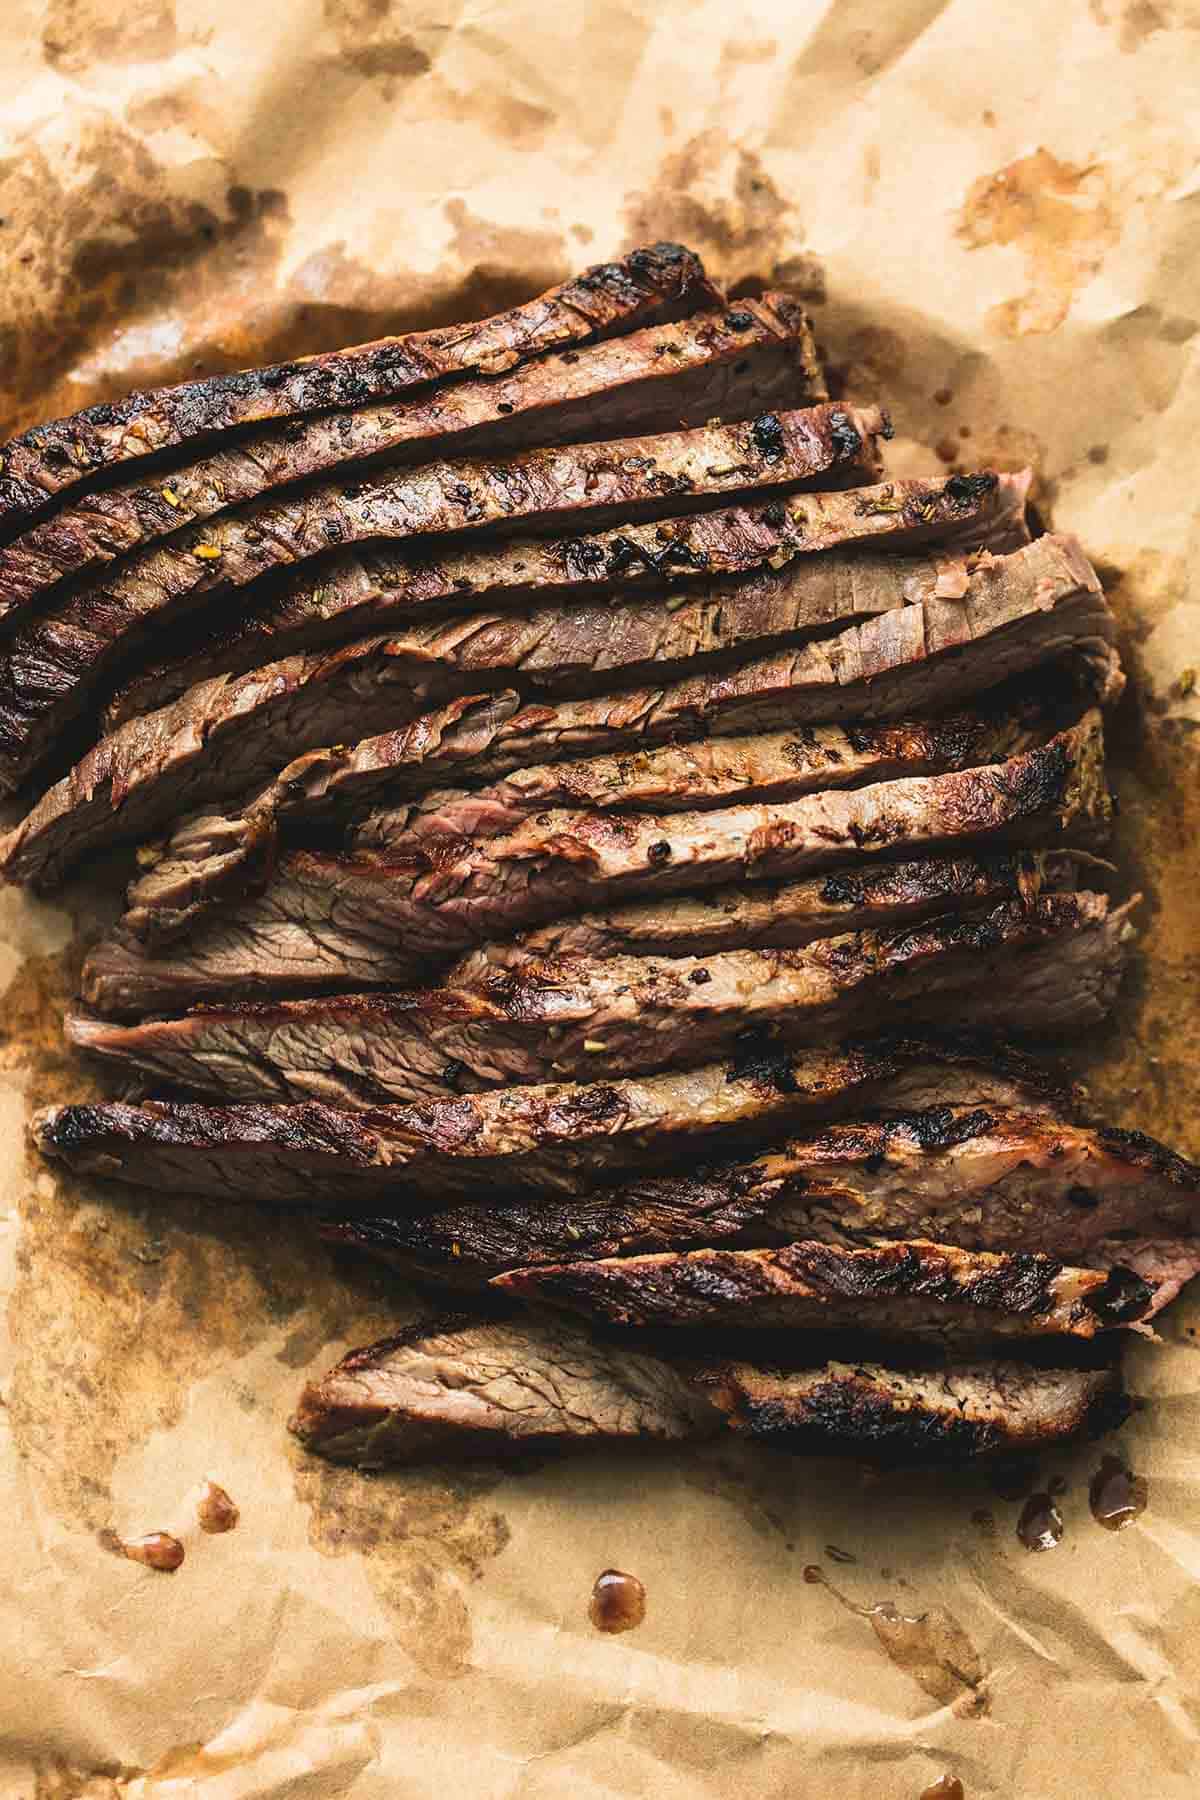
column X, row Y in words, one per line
column 931, row 1646
column 157, row 1550
column 1040, row 1526
column 1117, row 1496
column 946, row 1787
column 216, row 1511
column 618, row 1601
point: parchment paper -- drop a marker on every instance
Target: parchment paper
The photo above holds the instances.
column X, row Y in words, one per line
column 994, row 212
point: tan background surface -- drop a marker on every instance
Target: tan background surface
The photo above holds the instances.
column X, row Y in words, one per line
column 995, row 212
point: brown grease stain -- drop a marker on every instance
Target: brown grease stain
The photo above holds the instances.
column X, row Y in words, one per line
column 215, row 1511
column 1040, row 1526
column 372, row 42
column 1116, row 1496
column 76, row 34
column 1138, row 20
column 618, row 1601
column 117, row 244
column 946, row 1787
column 424, row 1536
column 1060, row 215
column 1137, row 1066
column 931, row 1647
column 718, row 197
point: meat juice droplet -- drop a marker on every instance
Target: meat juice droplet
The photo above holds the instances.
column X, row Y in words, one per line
column 618, row 1601
column 946, row 1787
column 1116, row 1495
column 216, row 1511
column 158, row 1550
column 1040, row 1526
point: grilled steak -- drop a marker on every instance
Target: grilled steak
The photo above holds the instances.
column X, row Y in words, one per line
column 212, row 857
column 711, row 365
column 228, row 736
column 915, row 1289
column 1050, row 966
column 709, row 773
column 53, row 667
column 554, row 1140
column 986, row 1178
column 379, row 586
column 662, row 281
column 785, row 915
column 328, row 921
column 463, row 1387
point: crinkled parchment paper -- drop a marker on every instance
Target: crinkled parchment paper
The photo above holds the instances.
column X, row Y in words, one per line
column 995, row 214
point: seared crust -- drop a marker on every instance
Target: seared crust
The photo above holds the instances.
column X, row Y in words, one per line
column 951, row 1415
column 659, row 280
column 919, row 1289
column 547, row 1139
column 55, row 664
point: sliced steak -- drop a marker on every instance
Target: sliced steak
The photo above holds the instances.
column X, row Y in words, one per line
column 327, row 921
column 462, row 1387
column 986, row 1178
column 466, row 1387
column 913, row 1289
column 554, row 1140
column 711, row 772
column 1050, row 966
column 785, row 915
column 621, row 573
column 227, row 737
column 54, row 666
column 212, row 857
column 715, row 364
column 945, row 1415
column 661, row 281
column 1165, row 1264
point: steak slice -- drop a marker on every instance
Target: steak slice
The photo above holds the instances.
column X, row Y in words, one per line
column 547, row 1139
column 785, row 915
column 711, row 772
column 380, row 586
column 946, row 1415
column 714, row 364
column 327, row 921
column 657, row 282
column 461, row 1387
column 212, row 857
column 54, row 666
column 915, row 1289
column 1050, row 966
column 229, row 736
column 986, row 1178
